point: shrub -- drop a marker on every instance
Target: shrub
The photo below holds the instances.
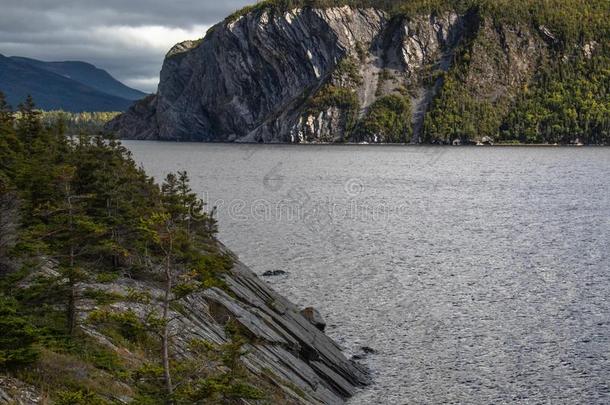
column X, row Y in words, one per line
column 77, row 398
column 333, row 96
column 127, row 324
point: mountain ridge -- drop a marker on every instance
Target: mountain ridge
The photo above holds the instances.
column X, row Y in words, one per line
column 69, row 86
column 88, row 74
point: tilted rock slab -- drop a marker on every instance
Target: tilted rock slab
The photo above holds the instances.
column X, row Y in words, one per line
column 283, row 345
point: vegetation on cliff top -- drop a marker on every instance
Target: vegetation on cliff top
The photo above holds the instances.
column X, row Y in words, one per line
column 570, row 19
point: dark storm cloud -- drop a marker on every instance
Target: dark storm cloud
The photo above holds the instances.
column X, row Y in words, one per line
column 126, row 37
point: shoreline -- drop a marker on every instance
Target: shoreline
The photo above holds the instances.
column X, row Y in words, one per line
column 505, row 145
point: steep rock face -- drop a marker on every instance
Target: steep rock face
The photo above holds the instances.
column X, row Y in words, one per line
column 312, row 75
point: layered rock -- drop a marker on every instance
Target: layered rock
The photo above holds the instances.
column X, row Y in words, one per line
column 286, row 350
column 256, row 78
column 284, row 346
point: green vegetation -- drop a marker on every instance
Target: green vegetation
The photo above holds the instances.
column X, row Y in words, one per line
column 347, row 73
column 90, row 123
column 571, row 20
column 332, row 96
column 389, row 118
column 565, row 102
column 457, row 114
column 572, row 102
column 338, row 93
column 77, row 213
column 226, row 387
column 18, row 336
column 342, row 98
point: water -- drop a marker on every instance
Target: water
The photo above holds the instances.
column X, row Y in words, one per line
column 478, row 275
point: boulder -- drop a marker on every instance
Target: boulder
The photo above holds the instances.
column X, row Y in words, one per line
column 274, row 273
column 486, row 140
column 313, row 316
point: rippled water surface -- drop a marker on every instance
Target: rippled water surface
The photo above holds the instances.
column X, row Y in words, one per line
column 478, row 275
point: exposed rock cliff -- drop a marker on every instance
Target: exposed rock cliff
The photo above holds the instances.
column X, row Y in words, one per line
column 315, row 75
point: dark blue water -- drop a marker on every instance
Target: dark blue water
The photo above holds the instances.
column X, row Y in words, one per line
column 478, row 275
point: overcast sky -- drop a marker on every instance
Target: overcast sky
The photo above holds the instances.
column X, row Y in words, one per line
column 126, row 37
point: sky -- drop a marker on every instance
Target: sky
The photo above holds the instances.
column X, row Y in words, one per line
column 128, row 38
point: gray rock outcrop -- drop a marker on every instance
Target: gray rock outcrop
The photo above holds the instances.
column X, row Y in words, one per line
column 16, row 392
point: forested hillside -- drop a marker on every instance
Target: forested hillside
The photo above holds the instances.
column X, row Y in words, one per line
column 389, row 71
column 78, row 211
column 90, row 123
column 114, row 290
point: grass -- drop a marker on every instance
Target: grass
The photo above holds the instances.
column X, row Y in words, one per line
column 68, row 378
column 102, row 297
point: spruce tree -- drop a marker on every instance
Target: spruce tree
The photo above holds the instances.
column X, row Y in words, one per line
column 17, row 338
column 29, row 125
column 6, row 113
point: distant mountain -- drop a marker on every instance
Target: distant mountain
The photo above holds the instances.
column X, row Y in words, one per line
column 87, row 74
column 69, row 86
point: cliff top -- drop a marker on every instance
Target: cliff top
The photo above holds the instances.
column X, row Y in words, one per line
column 573, row 18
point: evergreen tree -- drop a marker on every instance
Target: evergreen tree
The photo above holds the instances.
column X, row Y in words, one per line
column 69, row 236
column 6, row 113
column 10, row 146
column 9, row 217
column 29, row 125
column 17, row 338
column 163, row 237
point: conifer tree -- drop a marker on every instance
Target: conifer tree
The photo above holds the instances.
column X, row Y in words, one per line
column 6, row 113
column 17, row 338
column 163, row 234
column 29, row 125
column 170, row 236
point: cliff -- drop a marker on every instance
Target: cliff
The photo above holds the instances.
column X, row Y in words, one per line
column 337, row 74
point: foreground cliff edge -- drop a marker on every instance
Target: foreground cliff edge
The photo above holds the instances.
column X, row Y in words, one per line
column 298, row 363
column 115, row 290
column 403, row 71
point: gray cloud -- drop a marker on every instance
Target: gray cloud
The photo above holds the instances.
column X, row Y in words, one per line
column 126, row 37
